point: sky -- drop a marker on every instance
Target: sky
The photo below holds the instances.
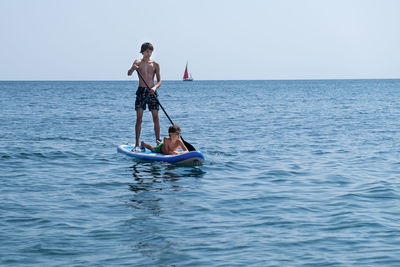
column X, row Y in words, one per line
column 221, row 40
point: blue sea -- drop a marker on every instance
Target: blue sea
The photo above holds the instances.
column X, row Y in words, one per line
column 297, row 173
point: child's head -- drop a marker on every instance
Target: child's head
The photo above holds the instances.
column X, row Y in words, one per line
column 174, row 130
column 146, row 46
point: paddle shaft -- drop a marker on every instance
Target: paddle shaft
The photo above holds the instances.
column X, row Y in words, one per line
column 188, row 146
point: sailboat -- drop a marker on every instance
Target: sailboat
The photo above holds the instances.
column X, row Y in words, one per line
column 187, row 76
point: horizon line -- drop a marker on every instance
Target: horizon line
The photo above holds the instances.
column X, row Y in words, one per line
column 201, row 80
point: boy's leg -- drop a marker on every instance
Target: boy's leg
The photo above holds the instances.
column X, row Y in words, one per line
column 143, row 144
column 138, row 125
column 156, row 121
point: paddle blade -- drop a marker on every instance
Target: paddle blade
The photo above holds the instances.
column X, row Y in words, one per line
column 188, row 146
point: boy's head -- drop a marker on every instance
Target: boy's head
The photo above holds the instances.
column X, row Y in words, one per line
column 146, row 46
column 174, row 130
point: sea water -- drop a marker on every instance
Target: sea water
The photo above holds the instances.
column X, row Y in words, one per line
column 297, row 173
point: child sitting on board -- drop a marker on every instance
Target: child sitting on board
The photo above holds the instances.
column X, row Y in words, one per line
column 170, row 145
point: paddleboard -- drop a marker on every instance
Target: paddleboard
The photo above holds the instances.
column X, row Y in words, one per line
column 189, row 158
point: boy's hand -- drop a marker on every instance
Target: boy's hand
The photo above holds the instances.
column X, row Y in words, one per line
column 152, row 91
column 133, row 68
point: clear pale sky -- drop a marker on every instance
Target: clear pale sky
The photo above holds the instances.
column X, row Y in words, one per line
column 222, row 40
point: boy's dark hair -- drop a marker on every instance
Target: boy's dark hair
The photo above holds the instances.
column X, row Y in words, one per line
column 174, row 128
column 146, row 46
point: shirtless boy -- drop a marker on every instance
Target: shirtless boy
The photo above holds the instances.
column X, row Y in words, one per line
column 148, row 68
column 171, row 144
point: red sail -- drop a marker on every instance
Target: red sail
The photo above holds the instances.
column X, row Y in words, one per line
column 185, row 76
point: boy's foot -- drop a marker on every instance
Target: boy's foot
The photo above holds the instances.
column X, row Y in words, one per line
column 136, row 148
column 142, row 147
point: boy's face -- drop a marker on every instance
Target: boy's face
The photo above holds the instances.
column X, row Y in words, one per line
column 175, row 136
column 147, row 53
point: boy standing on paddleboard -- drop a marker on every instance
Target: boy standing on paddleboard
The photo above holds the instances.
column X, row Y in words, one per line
column 148, row 68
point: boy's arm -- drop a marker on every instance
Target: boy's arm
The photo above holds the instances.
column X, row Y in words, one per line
column 134, row 67
column 184, row 148
column 158, row 77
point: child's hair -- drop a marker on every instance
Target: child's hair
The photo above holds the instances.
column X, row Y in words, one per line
column 146, row 46
column 174, row 128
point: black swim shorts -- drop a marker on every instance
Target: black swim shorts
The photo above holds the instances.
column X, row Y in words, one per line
column 143, row 97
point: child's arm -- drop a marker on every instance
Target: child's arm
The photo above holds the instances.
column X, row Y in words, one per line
column 134, row 67
column 158, row 77
column 183, row 147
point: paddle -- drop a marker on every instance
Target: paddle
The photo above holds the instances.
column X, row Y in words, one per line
column 188, row 146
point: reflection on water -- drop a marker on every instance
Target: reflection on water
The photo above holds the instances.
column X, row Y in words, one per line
column 155, row 176
column 155, row 189
column 148, row 175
